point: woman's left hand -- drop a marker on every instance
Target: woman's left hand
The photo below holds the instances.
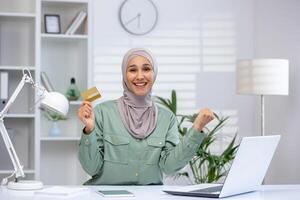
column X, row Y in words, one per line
column 204, row 117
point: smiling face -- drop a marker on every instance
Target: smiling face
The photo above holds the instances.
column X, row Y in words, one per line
column 139, row 75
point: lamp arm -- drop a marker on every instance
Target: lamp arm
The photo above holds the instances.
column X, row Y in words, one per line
column 9, row 146
column 11, row 151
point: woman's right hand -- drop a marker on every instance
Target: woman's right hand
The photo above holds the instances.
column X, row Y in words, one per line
column 87, row 116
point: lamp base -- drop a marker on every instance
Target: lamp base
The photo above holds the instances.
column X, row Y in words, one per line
column 25, row 185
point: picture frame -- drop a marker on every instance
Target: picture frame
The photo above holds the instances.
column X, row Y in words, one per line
column 52, row 23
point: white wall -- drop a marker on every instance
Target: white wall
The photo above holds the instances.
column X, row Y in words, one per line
column 277, row 35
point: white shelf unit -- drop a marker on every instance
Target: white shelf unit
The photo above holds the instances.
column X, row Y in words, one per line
column 76, row 139
column 18, row 49
column 23, row 43
column 19, row 116
column 16, row 68
column 62, row 37
column 63, row 57
column 26, row 171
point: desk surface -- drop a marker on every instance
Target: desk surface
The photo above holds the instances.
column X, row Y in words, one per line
column 267, row 192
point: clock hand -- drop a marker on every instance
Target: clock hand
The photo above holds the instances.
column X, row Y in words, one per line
column 132, row 19
column 139, row 20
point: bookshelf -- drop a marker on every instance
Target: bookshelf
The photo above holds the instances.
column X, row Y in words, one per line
column 24, row 43
column 18, row 49
column 63, row 57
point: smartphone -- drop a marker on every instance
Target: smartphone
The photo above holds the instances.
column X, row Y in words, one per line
column 115, row 193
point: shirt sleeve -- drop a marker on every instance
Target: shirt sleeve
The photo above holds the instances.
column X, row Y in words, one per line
column 91, row 150
column 178, row 152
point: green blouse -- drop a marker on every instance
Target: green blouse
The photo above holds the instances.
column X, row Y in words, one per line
column 113, row 157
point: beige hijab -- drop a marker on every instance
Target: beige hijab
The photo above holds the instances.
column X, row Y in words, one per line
column 138, row 113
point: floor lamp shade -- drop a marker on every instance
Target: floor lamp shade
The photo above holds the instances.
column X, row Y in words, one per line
column 263, row 77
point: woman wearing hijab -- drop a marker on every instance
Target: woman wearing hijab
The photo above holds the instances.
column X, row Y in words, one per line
column 132, row 140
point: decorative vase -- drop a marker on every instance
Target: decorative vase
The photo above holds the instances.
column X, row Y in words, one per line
column 54, row 131
column 73, row 92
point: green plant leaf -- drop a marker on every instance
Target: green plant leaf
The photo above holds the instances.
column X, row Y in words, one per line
column 174, row 101
column 206, row 166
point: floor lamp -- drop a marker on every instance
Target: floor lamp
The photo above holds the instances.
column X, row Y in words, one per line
column 262, row 77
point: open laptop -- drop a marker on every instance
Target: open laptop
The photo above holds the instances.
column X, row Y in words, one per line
column 246, row 173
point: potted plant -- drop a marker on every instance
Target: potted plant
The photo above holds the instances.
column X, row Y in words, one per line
column 206, row 166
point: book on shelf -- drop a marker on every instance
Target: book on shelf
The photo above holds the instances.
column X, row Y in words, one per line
column 3, row 88
column 76, row 22
column 46, row 82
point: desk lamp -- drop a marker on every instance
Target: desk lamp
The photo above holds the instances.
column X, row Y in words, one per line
column 51, row 101
column 263, row 77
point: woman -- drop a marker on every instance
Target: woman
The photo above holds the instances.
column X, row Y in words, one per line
column 132, row 140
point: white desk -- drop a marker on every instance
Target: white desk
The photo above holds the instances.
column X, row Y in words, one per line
column 269, row 192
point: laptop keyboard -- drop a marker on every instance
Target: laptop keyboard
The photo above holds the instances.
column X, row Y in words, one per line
column 208, row 190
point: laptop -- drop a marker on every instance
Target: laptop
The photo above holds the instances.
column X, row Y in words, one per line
column 246, row 173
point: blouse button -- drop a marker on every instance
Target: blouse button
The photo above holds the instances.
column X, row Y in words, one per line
column 86, row 141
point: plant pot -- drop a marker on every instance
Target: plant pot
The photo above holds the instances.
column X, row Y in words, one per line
column 55, row 130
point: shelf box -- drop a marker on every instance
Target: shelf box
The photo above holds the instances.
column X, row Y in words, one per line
column 22, row 135
column 70, row 128
column 67, row 10
column 17, row 36
column 24, row 102
column 65, row 156
column 17, row 6
column 69, row 59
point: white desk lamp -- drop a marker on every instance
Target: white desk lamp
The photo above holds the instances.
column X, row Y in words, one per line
column 53, row 101
column 263, row 77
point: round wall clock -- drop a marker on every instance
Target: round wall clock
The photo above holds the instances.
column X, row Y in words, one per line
column 138, row 17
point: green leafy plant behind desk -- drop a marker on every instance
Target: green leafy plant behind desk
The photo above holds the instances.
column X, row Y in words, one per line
column 206, row 167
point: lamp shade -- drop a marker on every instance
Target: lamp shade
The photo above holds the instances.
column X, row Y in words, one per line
column 55, row 102
column 263, row 77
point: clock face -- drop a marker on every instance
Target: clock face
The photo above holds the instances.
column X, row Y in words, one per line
column 138, row 17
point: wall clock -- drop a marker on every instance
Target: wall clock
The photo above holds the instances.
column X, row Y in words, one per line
column 138, row 17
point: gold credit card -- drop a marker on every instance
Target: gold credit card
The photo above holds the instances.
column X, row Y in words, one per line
column 91, row 94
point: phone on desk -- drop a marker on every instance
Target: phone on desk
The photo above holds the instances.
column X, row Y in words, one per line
column 115, row 193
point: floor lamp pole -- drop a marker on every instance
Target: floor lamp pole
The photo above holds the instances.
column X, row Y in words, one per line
column 262, row 115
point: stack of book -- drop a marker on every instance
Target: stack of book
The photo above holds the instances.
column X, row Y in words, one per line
column 76, row 22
